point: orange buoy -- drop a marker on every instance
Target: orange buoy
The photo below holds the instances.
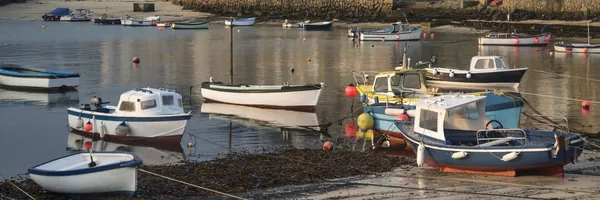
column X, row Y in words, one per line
column 516, row 41
column 328, row 146
column 87, row 145
column 136, row 59
column 402, row 117
column 536, row 40
column 586, row 105
column 350, row 130
column 585, row 50
column 160, row 29
column 88, row 126
column 351, row 91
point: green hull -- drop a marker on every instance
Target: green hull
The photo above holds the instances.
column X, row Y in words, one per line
column 190, row 26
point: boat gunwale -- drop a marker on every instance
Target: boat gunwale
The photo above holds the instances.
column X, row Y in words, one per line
column 42, row 73
column 135, row 161
column 237, row 88
column 111, row 117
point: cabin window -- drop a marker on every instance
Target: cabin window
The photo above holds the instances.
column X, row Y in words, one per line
column 498, row 63
column 468, row 111
column 428, row 120
column 396, row 80
column 180, row 102
column 127, row 106
column 168, row 100
column 504, row 63
column 148, row 104
column 484, row 64
column 412, row 81
column 380, row 84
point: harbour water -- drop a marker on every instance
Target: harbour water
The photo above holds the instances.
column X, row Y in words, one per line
column 33, row 125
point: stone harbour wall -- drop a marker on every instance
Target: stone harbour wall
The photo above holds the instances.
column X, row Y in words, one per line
column 292, row 9
column 555, row 6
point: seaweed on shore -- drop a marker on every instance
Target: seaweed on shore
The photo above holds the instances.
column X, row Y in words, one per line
column 242, row 172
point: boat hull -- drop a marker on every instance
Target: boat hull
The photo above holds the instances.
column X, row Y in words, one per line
column 243, row 22
column 523, row 41
column 75, row 19
column 414, row 34
column 300, row 100
column 132, row 22
column 577, row 48
column 505, row 78
column 318, row 27
column 39, row 83
column 108, row 21
column 168, row 127
column 189, row 26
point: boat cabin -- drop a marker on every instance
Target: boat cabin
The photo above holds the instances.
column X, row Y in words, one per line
column 400, row 27
column 150, row 101
column 488, row 63
column 458, row 119
column 400, row 82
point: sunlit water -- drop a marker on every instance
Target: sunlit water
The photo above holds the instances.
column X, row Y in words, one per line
column 33, row 125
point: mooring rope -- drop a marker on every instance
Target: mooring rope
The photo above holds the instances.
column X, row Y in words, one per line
column 189, row 184
column 6, row 179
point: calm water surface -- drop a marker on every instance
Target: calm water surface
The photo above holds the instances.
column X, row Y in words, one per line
column 33, row 125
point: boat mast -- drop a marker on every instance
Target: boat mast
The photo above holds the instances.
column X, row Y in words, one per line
column 588, row 23
column 231, row 51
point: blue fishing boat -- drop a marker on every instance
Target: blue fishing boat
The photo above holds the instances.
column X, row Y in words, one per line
column 32, row 78
column 56, row 14
column 318, row 26
column 452, row 133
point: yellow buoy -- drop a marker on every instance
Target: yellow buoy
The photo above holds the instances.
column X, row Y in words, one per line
column 43, row 27
column 365, row 121
column 308, row 59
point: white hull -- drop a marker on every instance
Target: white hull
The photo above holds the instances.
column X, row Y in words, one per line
column 75, row 19
column 32, row 82
column 155, row 128
column 240, row 23
column 465, row 84
column 578, row 48
column 267, row 99
column 133, row 22
column 525, row 41
column 413, row 35
column 117, row 180
column 280, row 118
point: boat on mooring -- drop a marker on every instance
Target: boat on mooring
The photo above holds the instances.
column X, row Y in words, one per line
column 578, row 48
column 287, row 24
column 143, row 114
column 56, row 14
column 451, row 133
column 514, row 39
column 399, row 32
column 147, row 21
column 80, row 15
column 241, row 22
column 288, row 97
column 104, row 19
column 98, row 173
column 485, row 71
column 32, row 78
column 317, row 26
column 190, row 25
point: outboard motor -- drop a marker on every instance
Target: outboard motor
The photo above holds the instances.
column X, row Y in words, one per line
column 97, row 103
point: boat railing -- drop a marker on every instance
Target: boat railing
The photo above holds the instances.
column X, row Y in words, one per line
column 362, row 76
column 494, row 137
column 551, row 121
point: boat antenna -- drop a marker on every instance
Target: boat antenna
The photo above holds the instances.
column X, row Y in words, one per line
column 231, row 51
column 405, row 18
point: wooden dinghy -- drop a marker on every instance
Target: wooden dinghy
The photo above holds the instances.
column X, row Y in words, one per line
column 100, row 173
column 289, row 97
column 32, row 78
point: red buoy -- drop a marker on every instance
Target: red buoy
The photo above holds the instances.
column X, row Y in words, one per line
column 432, row 35
column 88, row 126
column 536, row 40
column 585, row 50
column 136, row 59
column 424, row 35
column 586, row 105
column 351, row 91
column 160, row 29
column 328, row 146
column 403, row 117
column 516, row 41
column 350, row 130
column 547, row 38
column 87, row 145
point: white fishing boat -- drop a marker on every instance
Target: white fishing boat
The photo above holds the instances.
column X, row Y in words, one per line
column 514, row 39
column 142, row 114
column 99, row 173
column 269, row 117
column 578, row 48
column 80, row 15
column 399, row 32
column 241, row 22
column 31, row 78
column 147, row 21
column 485, row 71
column 289, row 97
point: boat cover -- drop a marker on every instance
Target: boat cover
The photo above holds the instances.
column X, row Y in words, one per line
column 60, row 12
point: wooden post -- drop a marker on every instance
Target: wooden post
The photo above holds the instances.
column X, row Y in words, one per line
column 462, row 4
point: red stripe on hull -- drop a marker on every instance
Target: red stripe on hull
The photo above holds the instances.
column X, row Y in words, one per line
column 294, row 108
column 169, row 143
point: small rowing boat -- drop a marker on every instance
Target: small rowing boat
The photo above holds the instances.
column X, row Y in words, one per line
column 20, row 77
column 318, row 26
column 514, row 39
column 241, row 22
column 399, row 32
column 190, row 25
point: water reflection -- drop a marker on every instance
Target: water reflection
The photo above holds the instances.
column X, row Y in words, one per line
column 40, row 98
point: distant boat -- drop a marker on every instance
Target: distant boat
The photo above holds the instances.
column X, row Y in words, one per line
column 56, row 14
column 147, row 21
column 578, row 48
column 399, row 32
column 286, row 24
column 107, row 20
column 83, row 173
column 241, row 22
column 290, row 97
column 190, row 25
column 163, row 24
column 80, row 15
column 318, row 26
column 514, row 39
column 20, row 77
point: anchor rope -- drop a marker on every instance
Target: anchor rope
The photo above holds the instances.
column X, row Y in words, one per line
column 17, row 187
column 189, row 184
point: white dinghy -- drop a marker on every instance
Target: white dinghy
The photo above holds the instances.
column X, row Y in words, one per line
column 100, row 173
column 241, row 22
column 32, row 78
column 578, row 48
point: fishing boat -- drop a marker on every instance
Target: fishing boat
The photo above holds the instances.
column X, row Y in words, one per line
column 514, row 39
column 56, row 14
column 286, row 24
column 485, row 71
column 100, row 173
column 107, row 20
column 241, row 22
column 32, row 78
column 266, row 117
column 289, row 97
column 190, row 25
column 452, row 133
column 147, row 21
column 578, row 48
column 399, row 32
column 142, row 114
column 80, row 15
column 318, row 26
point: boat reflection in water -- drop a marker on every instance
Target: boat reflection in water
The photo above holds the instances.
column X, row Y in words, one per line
column 40, row 98
column 154, row 155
